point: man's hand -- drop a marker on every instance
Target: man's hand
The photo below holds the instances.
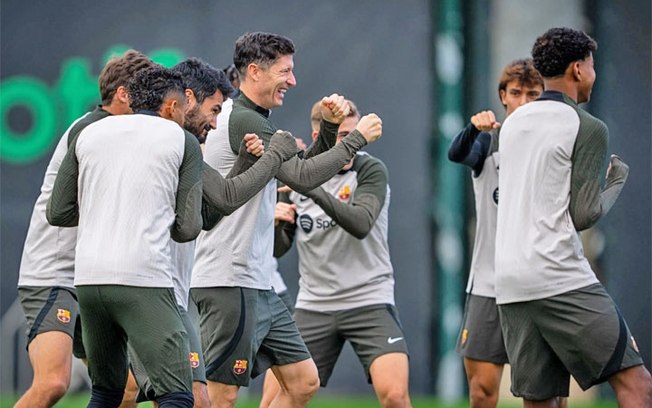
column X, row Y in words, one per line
column 371, row 127
column 284, row 212
column 485, row 121
column 334, row 108
column 254, row 144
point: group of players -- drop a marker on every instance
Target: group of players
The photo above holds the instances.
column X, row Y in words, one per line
column 185, row 317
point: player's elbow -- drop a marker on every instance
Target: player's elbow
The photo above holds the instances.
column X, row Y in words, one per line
column 586, row 221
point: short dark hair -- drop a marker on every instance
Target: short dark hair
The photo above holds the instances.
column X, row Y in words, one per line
column 118, row 71
column 558, row 47
column 260, row 48
column 150, row 87
column 203, row 78
column 521, row 70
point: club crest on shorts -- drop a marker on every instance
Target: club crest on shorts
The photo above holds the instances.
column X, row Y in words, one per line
column 344, row 193
column 63, row 315
column 194, row 359
column 240, row 367
column 465, row 337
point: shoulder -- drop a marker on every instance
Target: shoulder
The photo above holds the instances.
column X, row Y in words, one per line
column 365, row 164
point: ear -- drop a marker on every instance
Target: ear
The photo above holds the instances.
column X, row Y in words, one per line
column 577, row 70
column 314, row 135
column 122, row 95
column 503, row 94
column 168, row 108
column 253, row 71
column 190, row 97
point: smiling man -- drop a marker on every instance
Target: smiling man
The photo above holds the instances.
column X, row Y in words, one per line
column 245, row 326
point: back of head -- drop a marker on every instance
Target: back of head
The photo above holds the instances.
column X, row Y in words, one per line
column 558, row 47
column 119, row 70
column 521, row 70
column 150, row 87
column 260, row 48
column 203, row 79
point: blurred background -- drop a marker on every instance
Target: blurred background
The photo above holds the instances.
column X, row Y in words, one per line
column 423, row 66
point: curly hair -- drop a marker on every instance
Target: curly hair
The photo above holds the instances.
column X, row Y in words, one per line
column 260, row 48
column 521, row 70
column 558, row 47
column 150, row 87
column 119, row 70
column 203, row 79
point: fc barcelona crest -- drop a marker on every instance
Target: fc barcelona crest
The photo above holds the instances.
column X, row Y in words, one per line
column 63, row 315
column 240, row 367
column 194, row 359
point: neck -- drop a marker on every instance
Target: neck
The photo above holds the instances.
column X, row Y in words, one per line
column 115, row 108
column 561, row 85
column 248, row 90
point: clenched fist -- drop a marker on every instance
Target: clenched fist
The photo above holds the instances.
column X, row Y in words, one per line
column 371, row 127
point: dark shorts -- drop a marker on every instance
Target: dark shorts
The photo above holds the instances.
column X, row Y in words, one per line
column 244, row 332
column 481, row 337
column 52, row 309
column 580, row 332
column 372, row 331
column 287, row 300
column 196, row 359
column 149, row 318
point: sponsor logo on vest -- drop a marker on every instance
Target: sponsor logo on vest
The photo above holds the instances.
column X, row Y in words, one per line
column 240, row 367
column 63, row 315
column 305, row 222
column 194, row 359
column 344, row 193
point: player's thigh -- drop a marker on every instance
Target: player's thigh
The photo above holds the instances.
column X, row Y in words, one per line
column 390, row 373
column 50, row 354
column 229, row 319
column 589, row 334
column 282, row 344
column 537, row 373
column 320, row 334
column 481, row 337
column 104, row 340
column 373, row 332
column 483, row 374
column 152, row 321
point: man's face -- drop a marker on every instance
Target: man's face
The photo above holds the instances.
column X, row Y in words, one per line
column 201, row 117
column 587, row 79
column 275, row 81
column 517, row 94
column 346, row 127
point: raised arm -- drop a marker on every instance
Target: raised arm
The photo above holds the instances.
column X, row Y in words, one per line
column 588, row 201
column 472, row 145
column 188, row 220
column 359, row 216
column 285, row 224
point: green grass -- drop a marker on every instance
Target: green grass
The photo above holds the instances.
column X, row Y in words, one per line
column 80, row 401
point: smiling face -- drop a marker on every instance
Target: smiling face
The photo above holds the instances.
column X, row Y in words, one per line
column 273, row 82
column 201, row 117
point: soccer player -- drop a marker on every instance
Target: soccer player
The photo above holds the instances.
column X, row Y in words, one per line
column 476, row 146
column 557, row 318
column 206, row 89
column 132, row 182
column 245, row 327
column 45, row 284
column 346, row 288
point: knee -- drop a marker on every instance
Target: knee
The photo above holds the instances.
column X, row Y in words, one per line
column 396, row 397
column 53, row 389
column 304, row 388
column 482, row 395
